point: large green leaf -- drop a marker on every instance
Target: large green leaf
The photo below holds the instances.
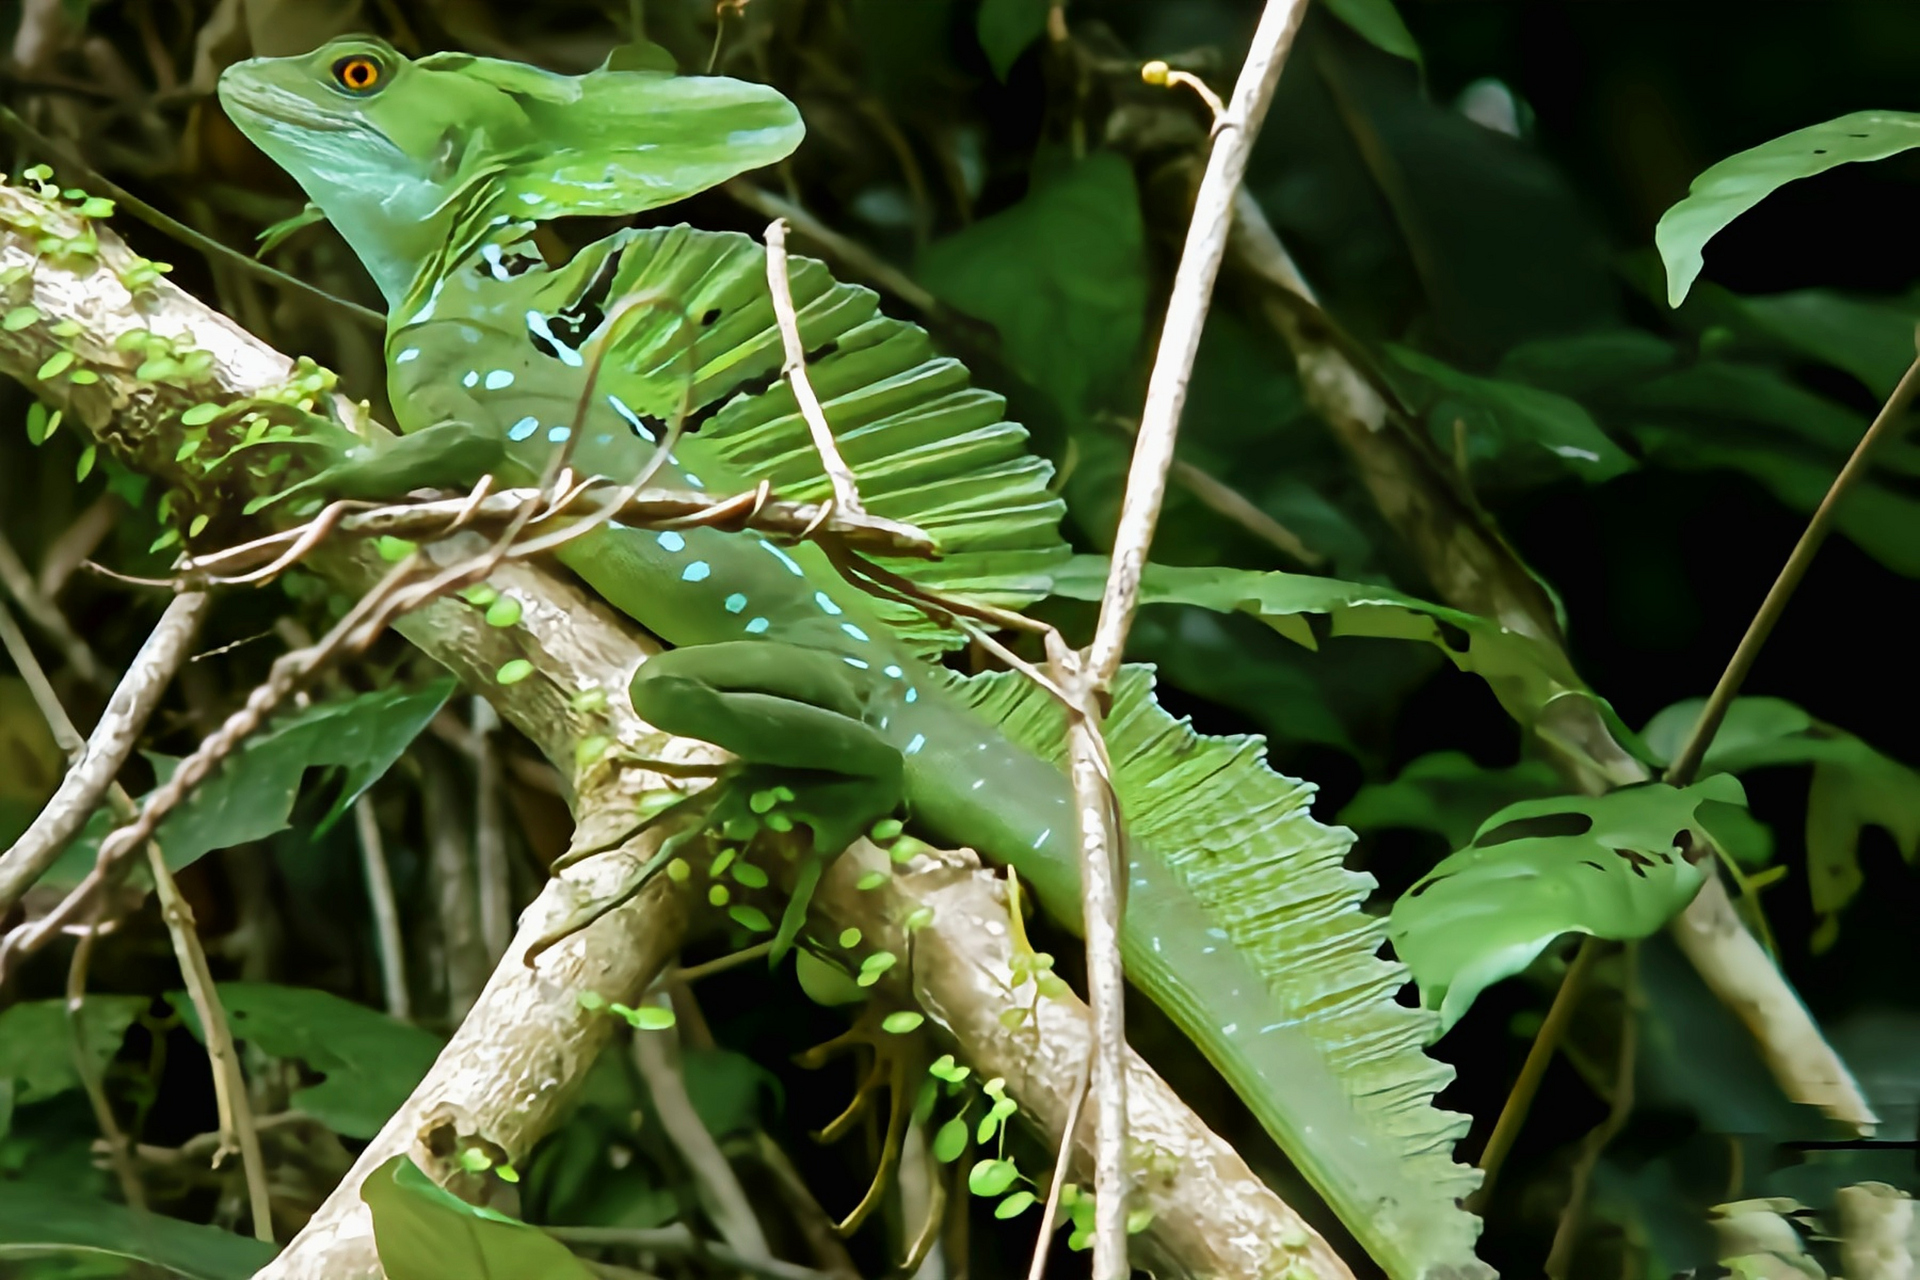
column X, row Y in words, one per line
column 1511, row 421
column 37, row 1046
column 425, row 1232
column 37, row 1220
column 1062, row 275
column 250, row 797
column 1447, row 792
column 1615, row 866
column 1736, row 184
column 1731, row 415
column 1854, row 787
column 1524, row 673
column 371, row 1061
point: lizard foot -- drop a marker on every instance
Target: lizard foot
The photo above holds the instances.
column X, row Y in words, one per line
column 892, row 1068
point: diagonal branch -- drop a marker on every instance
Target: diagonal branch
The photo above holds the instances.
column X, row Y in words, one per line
column 106, row 749
column 506, row 1076
column 1473, row 568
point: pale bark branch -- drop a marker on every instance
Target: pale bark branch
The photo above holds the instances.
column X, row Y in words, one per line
column 1212, row 1216
column 105, row 751
column 505, row 1077
column 1473, row 568
column 1101, row 874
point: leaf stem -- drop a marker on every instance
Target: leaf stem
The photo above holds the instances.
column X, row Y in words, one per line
column 1687, row 763
column 1514, row 1114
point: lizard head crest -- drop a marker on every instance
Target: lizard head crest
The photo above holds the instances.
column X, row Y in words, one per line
column 404, row 155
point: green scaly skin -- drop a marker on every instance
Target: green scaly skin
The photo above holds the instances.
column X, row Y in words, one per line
column 434, row 178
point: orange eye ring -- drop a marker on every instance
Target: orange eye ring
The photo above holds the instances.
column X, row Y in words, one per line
column 357, row 74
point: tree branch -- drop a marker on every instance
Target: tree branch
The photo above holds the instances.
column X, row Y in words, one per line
column 1473, row 568
column 504, row 1078
column 1101, row 872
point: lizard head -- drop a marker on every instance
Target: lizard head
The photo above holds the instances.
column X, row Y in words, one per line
column 406, row 155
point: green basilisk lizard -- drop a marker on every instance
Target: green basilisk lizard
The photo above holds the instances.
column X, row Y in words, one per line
column 1240, row 921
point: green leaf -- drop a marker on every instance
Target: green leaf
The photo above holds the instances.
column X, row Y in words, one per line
column 1380, row 24
column 1870, row 338
column 37, row 1043
column 1723, row 415
column 1508, row 419
column 951, row 1140
column 1447, row 792
column 251, row 796
column 1007, row 27
column 1062, row 275
column 371, row 1061
column 726, row 1088
column 1736, row 184
column 36, row 1219
column 278, row 233
column 1854, row 787
column 425, row 1232
column 989, row 1178
column 1615, row 866
column 1014, row 1205
column 1524, row 673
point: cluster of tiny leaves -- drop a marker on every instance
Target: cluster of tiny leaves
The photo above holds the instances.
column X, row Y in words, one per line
column 997, row 1176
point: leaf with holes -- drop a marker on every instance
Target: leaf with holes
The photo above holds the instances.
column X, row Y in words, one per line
column 1616, row 866
column 1733, row 186
column 37, row 1048
column 1854, row 787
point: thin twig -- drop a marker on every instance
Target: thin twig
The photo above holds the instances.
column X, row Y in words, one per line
column 162, row 655
column 720, row 964
column 101, row 756
column 490, row 834
column 19, row 584
column 389, row 945
column 132, row 1190
column 1520, row 1098
column 656, row 1055
column 232, row 1105
column 1687, row 763
column 680, row 1242
column 846, row 492
column 843, row 249
column 1101, row 872
column 1037, row 1269
column 1560, row 1257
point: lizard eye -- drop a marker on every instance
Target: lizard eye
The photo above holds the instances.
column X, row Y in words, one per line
column 358, row 74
